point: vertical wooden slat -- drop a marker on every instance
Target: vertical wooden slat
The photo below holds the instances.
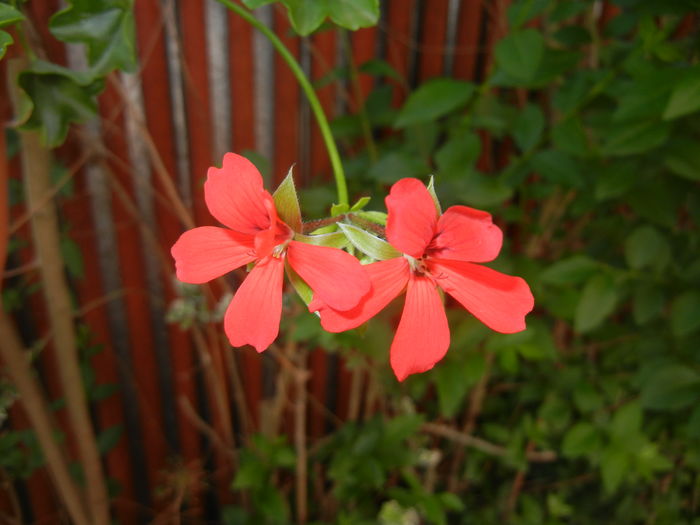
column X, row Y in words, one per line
column 287, row 97
column 431, row 46
column 160, row 126
column 139, row 365
column 399, row 40
column 468, row 43
column 364, row 48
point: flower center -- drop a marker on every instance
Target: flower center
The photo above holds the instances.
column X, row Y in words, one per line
column 418, row 265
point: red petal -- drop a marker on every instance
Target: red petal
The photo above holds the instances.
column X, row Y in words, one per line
column 466, row 234
column 202, row 254
column 498, row 300
column 235, row 196
column 412, row 217
column 253, row 317
column 335, row 276
column 423, row 335
column 388, row 279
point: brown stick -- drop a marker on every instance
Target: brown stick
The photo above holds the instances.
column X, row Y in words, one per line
column 301, row 376
column 15, row 359
column 535, row 456
column 45, row 230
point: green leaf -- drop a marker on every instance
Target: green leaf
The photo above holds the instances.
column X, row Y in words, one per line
column 453, row 381
column 482, row 190
column 106, row 27
column 433, row 100
column 457, row 154
column 614, row 465
column 570, row 136
column 597, row 301
column 581, row 440
column 573, row 270
column 523, row 10
column 287, row 202
column 646, row 247
column 631, row 138
column 671, row 387
column 380, row 68
column 353, row 14
column 369, row 244
column 5, row 41
column 626, row 422
column 685, row 98
column 615, row 179
column 685, row 314
column 108, row 438
column 60, row 96
column 9, row 15
column 72, row 257
column 683, row 159
column 648, row 302
column 396, row 165
column 519, row 54
column 306, row 15
column 558, row 167
column 528, row 127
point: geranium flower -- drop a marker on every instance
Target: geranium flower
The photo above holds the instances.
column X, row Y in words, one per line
column 438, row 251
column 254, row 233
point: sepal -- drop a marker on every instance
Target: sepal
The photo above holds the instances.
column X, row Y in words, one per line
column 369, row 244
column 331, row 240
column 287, row 202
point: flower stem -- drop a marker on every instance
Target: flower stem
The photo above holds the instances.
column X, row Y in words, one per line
column 303, row 80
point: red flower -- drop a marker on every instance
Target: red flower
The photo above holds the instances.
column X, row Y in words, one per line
column 235, row 197
column 438, row 252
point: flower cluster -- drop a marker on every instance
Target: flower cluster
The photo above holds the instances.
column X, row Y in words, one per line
column 424, row 252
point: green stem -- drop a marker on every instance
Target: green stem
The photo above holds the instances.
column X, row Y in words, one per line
column 315, row 104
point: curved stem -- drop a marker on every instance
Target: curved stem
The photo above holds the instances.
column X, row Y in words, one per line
column 315, row 104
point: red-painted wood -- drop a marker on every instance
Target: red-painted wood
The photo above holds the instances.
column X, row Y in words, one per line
column 467, row 40
column 156, row 97
column 432, row 41
column 364, row 48
column 143, row 365
column 240, row 48
column 287, row 97
column 323, row 50
column 399, row 40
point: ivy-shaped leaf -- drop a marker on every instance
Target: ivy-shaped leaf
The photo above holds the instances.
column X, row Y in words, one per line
column 106, row 27
column 307, row 15
column 8, row 16
column 433, row 100
column 59, row 96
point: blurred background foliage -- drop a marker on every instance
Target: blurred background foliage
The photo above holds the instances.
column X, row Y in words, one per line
column 582, row 141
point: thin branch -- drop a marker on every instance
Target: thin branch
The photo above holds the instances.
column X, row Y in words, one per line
column 535, row 456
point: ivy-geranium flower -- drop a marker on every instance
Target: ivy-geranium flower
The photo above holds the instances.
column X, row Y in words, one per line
column 254, row 233
column 437, row 251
